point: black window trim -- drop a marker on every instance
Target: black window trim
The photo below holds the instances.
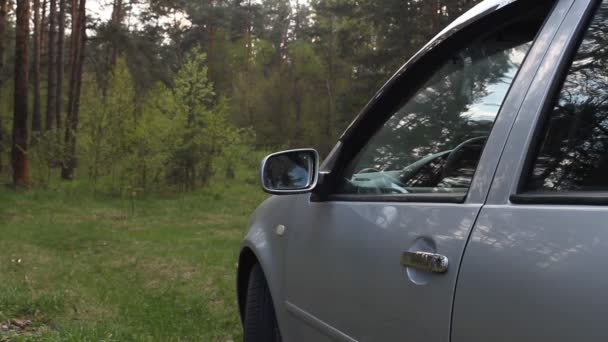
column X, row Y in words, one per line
column 521, row 196
column 450, row 198
column 565, row 198
column 376, row 113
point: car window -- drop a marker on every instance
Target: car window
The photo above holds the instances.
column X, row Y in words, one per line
column 434, row 141
column 573, row 150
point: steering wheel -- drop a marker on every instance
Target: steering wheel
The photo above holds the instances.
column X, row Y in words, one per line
column 455, row 156
column 389, row 183
column 367, row 169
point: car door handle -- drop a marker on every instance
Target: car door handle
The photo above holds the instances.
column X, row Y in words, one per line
column 432, row 262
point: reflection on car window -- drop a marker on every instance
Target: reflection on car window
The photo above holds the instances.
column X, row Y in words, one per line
column 573, row 153
column 433, row 142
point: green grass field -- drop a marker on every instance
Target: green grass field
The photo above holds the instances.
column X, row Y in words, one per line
column 112, row 269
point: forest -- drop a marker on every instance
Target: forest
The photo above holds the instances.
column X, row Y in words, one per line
column 131, row 133
column 163, row 95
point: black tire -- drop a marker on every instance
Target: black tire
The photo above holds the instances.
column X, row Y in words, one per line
column 260, row 319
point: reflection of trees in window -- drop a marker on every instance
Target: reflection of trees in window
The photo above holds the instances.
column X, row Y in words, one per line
column 459, row 102
column 288, row 171
column 429, row 175
column 435, row 139
column 574, row 149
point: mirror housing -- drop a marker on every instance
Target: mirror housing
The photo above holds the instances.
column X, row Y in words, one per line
column 290, row 172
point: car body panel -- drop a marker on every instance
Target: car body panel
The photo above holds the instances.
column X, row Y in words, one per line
column 337, row 272
column 533, row 272
column 343, row 277
column 521, row 135
column 514, row 101
column 329, row 282
column 268, row 248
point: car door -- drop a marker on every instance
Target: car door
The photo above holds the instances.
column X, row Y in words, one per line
column 534, row 266
column 357, row 260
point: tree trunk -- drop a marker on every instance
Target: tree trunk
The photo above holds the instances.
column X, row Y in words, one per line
column 297, row 101
column 21, row 174
column 3, row 15
column 111, row 53
column 1, row 146
column 43, row 25
column 75, row 44
column 52, row 68
column 117, row 19
column 71, row 127
column 36, row 124
column 73, row 47
column 330, row 84
column 248, row 62
column 74, row 36
column 60, row 62
column 297, row 98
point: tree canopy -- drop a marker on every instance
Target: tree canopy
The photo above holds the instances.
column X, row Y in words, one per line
column 171, row 92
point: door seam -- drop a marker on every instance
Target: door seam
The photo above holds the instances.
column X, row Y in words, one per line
column 487, row 194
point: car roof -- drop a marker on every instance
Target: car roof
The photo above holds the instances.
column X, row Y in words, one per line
column 479, row 11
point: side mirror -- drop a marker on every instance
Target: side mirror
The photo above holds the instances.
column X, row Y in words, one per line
column 290, row 172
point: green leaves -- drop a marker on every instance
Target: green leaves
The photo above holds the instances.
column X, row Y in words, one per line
column 173, row 137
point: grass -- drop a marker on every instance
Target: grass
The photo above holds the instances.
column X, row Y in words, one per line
column 106, row 269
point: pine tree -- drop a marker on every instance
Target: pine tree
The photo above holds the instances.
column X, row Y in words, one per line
column 3, row 20
column 71, row 127
column 21, row 172
column 36, row 119
column 51, row 102
column 60, row 63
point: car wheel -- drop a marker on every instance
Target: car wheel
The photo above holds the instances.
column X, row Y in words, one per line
column 260, row 318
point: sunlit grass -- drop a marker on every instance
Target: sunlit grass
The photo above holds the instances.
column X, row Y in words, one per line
column 112, row 269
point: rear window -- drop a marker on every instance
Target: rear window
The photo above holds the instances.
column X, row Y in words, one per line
column 573, row 149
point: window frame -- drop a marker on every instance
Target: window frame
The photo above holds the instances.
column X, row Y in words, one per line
column 401, row 88
column 520, row 195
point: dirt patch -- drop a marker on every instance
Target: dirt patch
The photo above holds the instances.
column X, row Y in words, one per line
column 212, row 219
column 15, row 217
column 160, row 271
column 227, row 233
column 25, row 256
column 17, row 328
column 110, row 214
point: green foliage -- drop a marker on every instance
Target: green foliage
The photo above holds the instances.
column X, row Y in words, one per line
column 175, row 137
column 194, row 115
column 200, row 85
column 155, row 134
column 46, row 154
column 99, row 271
column 107, row 134
column 200, row 125
column 200, row 93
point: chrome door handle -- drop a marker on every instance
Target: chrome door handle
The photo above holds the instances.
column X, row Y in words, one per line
column 435, row 263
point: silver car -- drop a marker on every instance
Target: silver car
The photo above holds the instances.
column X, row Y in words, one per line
column 468, row 201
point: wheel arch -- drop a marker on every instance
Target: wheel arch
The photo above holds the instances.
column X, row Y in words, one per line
column 264, row 246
